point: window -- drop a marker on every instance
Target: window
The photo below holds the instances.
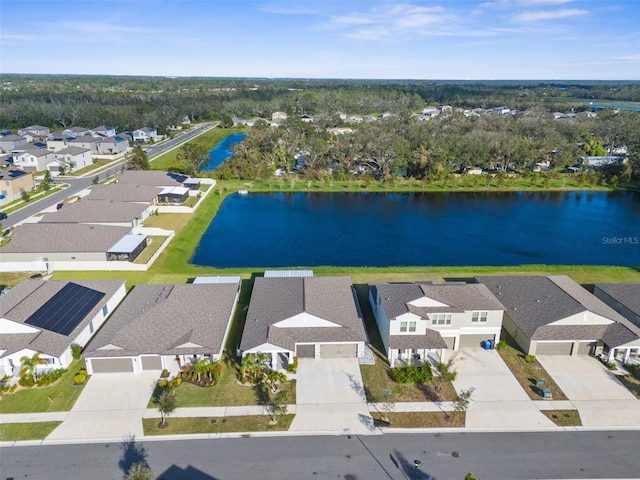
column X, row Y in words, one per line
column 479, row 317
column 412, row 326
column 91, row 326
column 403, row 326
column 441, row 319
column 105, row 311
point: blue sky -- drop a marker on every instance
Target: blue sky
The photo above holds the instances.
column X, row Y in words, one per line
column 500, row 39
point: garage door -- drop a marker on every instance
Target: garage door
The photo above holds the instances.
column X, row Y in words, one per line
column 474, row 340
column 585, row 348
column 554, row 348
column 151, row 362
column 111, row 365
column 306, row 351
column 339, row 350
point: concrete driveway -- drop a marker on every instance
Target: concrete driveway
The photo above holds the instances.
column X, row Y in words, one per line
column 110, row 408
column 330, row 397
column 597, row 394
column 498, row 400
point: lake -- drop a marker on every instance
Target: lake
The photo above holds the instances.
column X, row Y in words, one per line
column 218, row 155
column 383, row 229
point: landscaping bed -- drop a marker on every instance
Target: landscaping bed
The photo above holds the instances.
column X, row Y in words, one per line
column 527, row 372
column 420, row 419
column 564, row 418
column 13, row 432
column 248, row 423
column 632, row 381
column 59, row 397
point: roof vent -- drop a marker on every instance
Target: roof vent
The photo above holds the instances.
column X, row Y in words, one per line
column 537, row 300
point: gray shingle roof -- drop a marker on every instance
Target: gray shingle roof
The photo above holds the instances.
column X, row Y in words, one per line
column 98, row 211
column 22, row 301
column 63, row 237
column 157, row 319
column 85, row 139
column 123, row 192
column 628, row 294
column 277, row 299
column 618, row 334
column 534, row 301
column 154, row 178
column 431, row 340
column 72, row 151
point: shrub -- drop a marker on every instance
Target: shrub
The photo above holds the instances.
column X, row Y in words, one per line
column 163, row 383
column 8, row 388
column 79, row 378
column 529, row 358
column 612, row 366
column 26, row 381
column 76, row 350
column 293, row 366
column 165, row 373
column 47, row 378
column 501, row 345
column 412, row 374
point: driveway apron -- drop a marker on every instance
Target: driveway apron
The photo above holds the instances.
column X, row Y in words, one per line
column 596, row 392
column 498, row 400
column 330, row 397
column 110, row 407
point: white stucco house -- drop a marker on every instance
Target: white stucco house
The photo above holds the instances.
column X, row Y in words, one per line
column 73, row 158
column 145, row 134
column 34, row 159
column 11, row 142
column 47, row 317
column 422, row 322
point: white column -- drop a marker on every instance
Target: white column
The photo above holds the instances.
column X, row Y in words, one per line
column 627, row 354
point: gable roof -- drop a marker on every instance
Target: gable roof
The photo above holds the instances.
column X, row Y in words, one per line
column 158, row 319
column 276, row 299
column 63, row 237
column 97, row 211
column 85, row 139
column 154, row 178
column 627, row 294
column 123, row 192
column 26, row 298
column 534, row 301
column 72, row 151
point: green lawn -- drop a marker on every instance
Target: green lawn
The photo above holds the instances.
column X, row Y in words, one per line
column 209, row 140
column 155, row 242
column 564, row 418
column 421, row 419
column 96, row 165
column 12, row 432
column 632, row 381
column 527, row 373
column 58, row 397
column 226, row 393
column 185, row 425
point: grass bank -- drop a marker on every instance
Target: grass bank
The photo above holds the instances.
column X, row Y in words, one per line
column 249, row 423
column 421, row 419
column 14, row 432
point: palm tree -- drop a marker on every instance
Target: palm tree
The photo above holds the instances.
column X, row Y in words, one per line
column 254, row 367
column 28, row 365
column 273, row 379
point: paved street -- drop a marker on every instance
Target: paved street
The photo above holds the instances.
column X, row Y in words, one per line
column 493, row 456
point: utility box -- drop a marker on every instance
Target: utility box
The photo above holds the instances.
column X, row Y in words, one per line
column 546, row 393
column 539, row 382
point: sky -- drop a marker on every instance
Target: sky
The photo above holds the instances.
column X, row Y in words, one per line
column 373, row 39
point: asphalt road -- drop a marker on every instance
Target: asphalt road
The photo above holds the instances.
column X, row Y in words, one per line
column 488, row 455
column 79, row 184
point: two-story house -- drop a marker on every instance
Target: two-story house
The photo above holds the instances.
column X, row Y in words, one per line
column 86, row 141
column 73, row 158
column 33, row 160
column 34, row 130
column 13, row 181
column 421, row 322
column 104, row 131
column 145, row 134
column 11, row 142
column 112, row 145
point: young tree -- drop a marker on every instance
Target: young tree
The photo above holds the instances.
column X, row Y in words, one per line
column 388, row 403
column 24, row 195
column 463, row 400
column 28, row 365
column 273, row 379
column 140, row 471
column 137, row 159
column 277, row 407
column 166, row 403
column 470, row 476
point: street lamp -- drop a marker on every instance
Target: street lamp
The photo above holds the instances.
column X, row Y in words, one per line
column 415, row 469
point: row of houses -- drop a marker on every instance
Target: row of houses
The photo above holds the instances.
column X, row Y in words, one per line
column 295, row 314
column 99, row 227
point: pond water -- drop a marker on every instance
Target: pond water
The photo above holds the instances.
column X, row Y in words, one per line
column 218, row 155
column 368, row 229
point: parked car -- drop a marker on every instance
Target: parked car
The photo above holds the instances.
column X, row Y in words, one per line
column 59, row 206
column 3, row 216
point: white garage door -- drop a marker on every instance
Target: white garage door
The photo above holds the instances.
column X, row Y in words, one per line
column 151, row 362
column 554, row 348
column 111, row 365
column 338, row 350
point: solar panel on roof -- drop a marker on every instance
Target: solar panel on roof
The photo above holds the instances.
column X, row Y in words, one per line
column 63, row 312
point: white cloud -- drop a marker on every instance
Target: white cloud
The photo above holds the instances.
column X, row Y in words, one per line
column 537, row 15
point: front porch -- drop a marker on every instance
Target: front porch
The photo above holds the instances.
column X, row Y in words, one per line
column 417, row 356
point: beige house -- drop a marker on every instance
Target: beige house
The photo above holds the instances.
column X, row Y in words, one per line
column 12, row 182
column 33, row 160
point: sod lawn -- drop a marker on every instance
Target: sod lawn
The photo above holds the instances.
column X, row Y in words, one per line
column 13, row 432
column 421, row 419
column 249, row 423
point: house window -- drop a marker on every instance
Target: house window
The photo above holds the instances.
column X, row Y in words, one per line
column 441, row 319
column 403, row 327
column 412, row 326
column 105, row 310
column 479, row 317
column 91, row 326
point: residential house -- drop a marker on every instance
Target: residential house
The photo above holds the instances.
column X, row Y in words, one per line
column 279, row 117
column 73, row 158
column 47, row 317
column 354, row 119
column 59, row 140
column 104, row 131
column 602, row 161
column 34, row 130
column 76, row 131
column 9, row 143
column 164, row 326
column 154, row 178
column 340, row 130
column 101, row 212
column 13, row 181
column 252, row 122
column 173, row 195
column 311, row 317
column 555, row 316
column 624, row 298
column 185, row 120
column 145, row 135
column 112, row 145
column 422, row 322
column 341, row 115
column 86, row 141
column 34, row 159
column 50, row 242
column 122, row 192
